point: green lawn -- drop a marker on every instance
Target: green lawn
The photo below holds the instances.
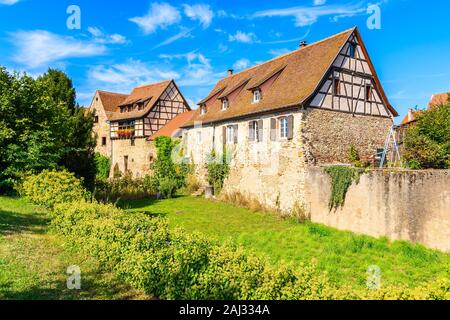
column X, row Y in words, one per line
column 33, row 262
column 343, row 255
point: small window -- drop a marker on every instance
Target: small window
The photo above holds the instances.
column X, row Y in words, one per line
column 224, row 104
column 199, row 137
column 202, row 109
column 103, row 141
column 96, row 99
column 284, row 127
column 352, row 50
column 337, row 87
column 132, row 142
column 122, row 109
column 96, row 119
column 256, row 96
column 368, row 92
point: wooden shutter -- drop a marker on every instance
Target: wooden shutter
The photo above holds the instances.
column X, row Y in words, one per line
column 260, row 130
column 235, row 133
column 290, row 127
column 251, row 134
column 273, row 129
column 224, row 135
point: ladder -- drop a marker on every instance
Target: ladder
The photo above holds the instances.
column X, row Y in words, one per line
column 390, row 140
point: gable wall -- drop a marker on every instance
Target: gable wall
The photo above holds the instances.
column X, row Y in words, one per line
column 101, row 129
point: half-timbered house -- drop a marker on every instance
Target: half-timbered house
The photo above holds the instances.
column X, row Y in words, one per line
column 302, row 109
column 132, row 120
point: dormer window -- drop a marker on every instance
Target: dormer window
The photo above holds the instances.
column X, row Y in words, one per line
column 203, row 109
column 225, row 104
column 256, row 96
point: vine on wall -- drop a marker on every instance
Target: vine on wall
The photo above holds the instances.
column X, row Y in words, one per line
column 341, row 179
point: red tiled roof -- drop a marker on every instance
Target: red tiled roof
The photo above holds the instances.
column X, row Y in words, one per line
column 438, row 99
column 173, row 125
column 110, row 101
column 300, row 73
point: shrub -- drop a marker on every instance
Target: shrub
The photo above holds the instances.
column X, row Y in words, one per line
column 353, row 154
column 427, row 141
column 51, row 187
column 172, row 264
column 125, row 188
column 218, row 169
column 193, row 184
column 103, row 166
column 167, row 187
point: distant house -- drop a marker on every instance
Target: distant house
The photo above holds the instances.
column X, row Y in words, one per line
column 438, row 99
column 301, row 109
column 127, row 123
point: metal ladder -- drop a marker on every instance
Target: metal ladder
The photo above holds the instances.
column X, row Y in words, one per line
column 390, row 139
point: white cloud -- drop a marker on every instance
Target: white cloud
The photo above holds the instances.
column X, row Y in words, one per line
column 8, row 2
column 305, row 16
column 160, row 15
column 39, row 48
column 101, row 37
column 242, row 37
column 241, row 64
column 200, row 12
column 184, row 33
column 278, row 52
column 319, row 2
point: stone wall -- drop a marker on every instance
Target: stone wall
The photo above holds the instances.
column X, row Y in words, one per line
column 139, row 156
column 328, row 135
column 406, row 205
column 101, row 128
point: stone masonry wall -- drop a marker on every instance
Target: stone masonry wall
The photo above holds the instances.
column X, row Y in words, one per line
column 328, row 135
column 139, row 156
column 406, row 205
column 101, row 128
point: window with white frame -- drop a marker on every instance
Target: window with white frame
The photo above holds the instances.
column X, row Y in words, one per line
column 256, row 96
column 254, row 132
column 231, row 134
column 284, row 127
column 199, row 137
column 203, row 109
column 224, row 103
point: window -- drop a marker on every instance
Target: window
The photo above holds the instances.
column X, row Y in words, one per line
column 96, row 119
column 284, row 127
column 125, row 163
column 103, row 141
column 231, row 132
column 132, row 142
column 203, row 109
column 224, row 104
column 368, row 92
column 256, row 95
column 352, row 50
column 199, row 137
column 253, row 131
column 337, row 87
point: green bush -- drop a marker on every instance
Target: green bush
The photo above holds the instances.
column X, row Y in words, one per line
column 167, row 187
column 218, row 169
column 172, row 264
column 342, row 178
column 125, row 188
column 51, row 187
column 427, row 141
column 103, row 166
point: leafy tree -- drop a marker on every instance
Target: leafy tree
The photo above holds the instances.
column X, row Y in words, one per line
column 427, row 141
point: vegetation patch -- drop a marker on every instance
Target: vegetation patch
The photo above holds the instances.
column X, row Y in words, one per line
column 342, row 177
column 218, row 169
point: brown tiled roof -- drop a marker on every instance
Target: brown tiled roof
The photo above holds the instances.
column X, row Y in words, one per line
column 173, row 125
column 110, row 101
column 438, row 99
column 150, row 92
column 410, row 117
column 301, row 72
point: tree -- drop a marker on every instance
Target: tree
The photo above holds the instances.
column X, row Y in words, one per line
column 427, row 141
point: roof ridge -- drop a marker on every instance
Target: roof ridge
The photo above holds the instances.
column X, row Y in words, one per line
column 151, row 84
column 116, row 93
column 294, row 51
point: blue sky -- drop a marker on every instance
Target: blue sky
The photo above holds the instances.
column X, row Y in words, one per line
column 122, row 44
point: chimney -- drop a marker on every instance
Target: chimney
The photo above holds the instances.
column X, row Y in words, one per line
column 230, row 72
column 410, row 115
column 303, row 44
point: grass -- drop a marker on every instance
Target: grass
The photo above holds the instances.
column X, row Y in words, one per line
column 344, row 255
column 33, row 262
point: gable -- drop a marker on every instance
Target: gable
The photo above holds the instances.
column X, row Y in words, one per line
column 351, row 84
